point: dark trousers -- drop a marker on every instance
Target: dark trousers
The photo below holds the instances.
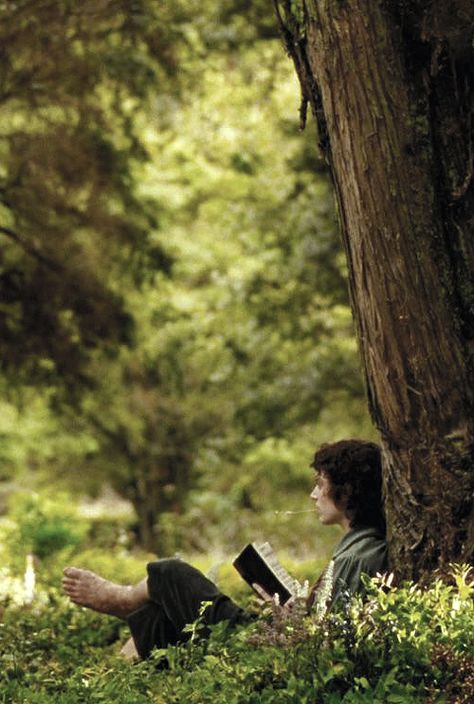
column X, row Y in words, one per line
column 177, row 591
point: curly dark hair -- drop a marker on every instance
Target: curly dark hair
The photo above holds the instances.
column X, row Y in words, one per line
column 354, row 470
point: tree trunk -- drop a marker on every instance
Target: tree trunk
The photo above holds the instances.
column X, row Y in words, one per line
column 391, row 86
column 158, row 488
column 150, row 502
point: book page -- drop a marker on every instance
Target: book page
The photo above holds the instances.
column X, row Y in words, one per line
column 268, row 554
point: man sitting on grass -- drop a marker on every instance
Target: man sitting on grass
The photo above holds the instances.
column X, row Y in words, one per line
column 348, row 493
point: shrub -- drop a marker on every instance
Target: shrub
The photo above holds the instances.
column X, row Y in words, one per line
column 405, row 645
column 43, row 526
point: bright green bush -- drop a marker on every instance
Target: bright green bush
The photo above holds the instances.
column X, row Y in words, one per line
column 43, row 525
column 404, row 645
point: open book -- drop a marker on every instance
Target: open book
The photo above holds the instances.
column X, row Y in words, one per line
column 258, row 564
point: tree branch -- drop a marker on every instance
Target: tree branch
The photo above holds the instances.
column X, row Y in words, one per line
column 31, row 249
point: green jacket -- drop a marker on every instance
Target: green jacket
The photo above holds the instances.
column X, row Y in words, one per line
column 361, row 551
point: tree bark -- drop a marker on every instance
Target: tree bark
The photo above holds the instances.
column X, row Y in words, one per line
column 391, row 86
column 152, row 496
column 158, row 486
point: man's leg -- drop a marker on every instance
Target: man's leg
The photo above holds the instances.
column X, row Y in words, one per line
column 158, row 608
column 177, row 591
column 86, row 588
column 181, row 590
column 147, row 621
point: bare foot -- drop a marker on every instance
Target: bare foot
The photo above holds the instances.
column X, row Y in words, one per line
column 88, row 589
column 129, row 651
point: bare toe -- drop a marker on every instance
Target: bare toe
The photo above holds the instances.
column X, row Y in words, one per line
column 78, row 573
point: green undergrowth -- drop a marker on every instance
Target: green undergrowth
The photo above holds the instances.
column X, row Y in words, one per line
column 402, row 645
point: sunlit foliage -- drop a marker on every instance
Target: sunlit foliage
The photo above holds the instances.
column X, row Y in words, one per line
column 72, row 79
column 171, row 271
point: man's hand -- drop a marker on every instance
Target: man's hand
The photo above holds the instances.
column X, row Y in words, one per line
column 268, row 598
column 264, row 596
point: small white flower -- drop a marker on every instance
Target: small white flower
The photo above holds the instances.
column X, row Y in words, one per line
column 324, row 591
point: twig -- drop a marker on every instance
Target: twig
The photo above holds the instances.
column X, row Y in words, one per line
column 31, row 249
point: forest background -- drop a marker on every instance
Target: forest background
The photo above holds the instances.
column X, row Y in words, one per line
column 174, row 319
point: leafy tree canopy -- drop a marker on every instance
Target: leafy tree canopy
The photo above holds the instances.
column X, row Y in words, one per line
column 73, row 77
column 198, row 252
